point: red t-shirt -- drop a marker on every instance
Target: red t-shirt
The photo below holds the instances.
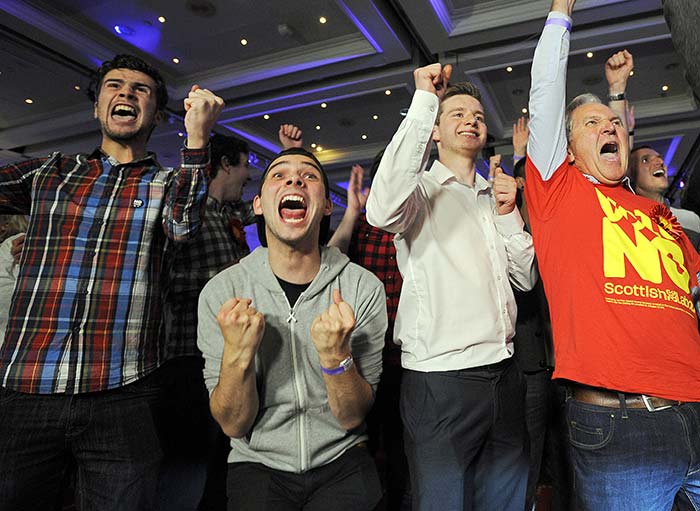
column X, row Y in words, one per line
column 618, row 273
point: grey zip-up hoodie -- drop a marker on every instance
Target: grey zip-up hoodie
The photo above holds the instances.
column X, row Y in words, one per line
column 295, row 430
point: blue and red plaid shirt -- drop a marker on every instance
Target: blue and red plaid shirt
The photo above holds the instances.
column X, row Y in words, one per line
column 374, row 249
column 86, row 310
column 220, row 243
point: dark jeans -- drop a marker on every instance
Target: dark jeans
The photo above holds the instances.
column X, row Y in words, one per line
column 193, row 472
column 633, row 459
column 537, row 412
column 466, row 439
column 109, row 436
column 385, row 431
column 349, row 483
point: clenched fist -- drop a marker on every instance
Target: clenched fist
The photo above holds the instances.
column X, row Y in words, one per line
column 330, row 331
column 202, row 109
column 504, row 186
column 242, row 327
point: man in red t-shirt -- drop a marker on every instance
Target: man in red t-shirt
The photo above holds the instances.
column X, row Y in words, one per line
column 620, row 276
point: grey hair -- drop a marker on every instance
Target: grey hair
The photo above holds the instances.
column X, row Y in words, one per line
column 580, row 100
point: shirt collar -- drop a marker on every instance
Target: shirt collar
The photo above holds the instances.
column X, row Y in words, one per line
column 149, row 159
column 442, row 175
column 625, row 182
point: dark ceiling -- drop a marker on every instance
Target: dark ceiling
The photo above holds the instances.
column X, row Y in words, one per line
column 292, row 63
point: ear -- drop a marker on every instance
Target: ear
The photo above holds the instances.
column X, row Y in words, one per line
column 329, row 208
column 257, row 206
column 159, row 117
column 520, row 181
column 223, row 162
column 436, row 133
column 570, row 155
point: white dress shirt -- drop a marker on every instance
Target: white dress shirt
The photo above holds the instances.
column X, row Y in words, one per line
column 8, row 277
column 457, row 256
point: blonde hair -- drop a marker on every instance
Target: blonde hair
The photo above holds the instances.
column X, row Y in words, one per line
column 15, row 224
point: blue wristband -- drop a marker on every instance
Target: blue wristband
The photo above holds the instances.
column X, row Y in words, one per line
column 344, row 366
column 559, row 21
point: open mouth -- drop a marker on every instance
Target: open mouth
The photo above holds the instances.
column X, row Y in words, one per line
column 609, row 151
column 471, row 134
column 292, row 208
column 659, row 173
column 124, row 112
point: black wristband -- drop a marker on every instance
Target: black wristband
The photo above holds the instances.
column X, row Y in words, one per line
column 617, row 97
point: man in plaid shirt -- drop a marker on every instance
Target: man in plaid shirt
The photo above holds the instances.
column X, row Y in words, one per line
column 220, row 243
column 82, row 343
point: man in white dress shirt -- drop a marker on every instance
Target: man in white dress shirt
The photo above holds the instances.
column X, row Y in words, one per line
column 460, row 246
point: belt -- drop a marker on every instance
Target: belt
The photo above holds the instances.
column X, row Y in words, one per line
column 612, row 399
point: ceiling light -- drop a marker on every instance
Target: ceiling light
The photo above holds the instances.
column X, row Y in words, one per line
column 266, row 116
column 123, row 29
column 318, row 127
column 375, row 117
column 319, row 148
column 76, row 87
column 313, row 145
column 244, row 41
column 322, row 20
column 176, row 60
column 29, row 101
column 509, row 69
column 524, row 110
column 664, row 88
column 323, row 105
column 180, row 134
column 387, row 92
column 161, row 19
column 364, row 137
column 589, row 54
column 631, row 73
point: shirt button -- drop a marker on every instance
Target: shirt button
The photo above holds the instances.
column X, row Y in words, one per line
column 432, row 108
column 499, row 277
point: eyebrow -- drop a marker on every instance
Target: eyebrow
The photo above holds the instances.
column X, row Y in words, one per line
column 121, row 80
column 462, row 109
column 310, row 164
column 599, row 116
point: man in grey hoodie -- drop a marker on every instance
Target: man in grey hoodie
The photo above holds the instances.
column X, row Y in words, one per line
column 292, row 339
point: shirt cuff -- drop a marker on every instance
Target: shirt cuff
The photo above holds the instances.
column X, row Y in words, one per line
column 509, row 224
column 194, row 157
column 424, row 106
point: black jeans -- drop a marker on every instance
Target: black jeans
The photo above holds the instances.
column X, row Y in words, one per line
column 110, row 436
column 349, row 483
column 466, row 439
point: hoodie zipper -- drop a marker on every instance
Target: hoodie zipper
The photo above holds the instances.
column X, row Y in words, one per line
column 292, row 320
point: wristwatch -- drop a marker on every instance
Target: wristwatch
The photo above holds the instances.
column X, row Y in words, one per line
column 617, row 97
column 344, row 366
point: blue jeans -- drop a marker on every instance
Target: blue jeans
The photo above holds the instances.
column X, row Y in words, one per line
column 465, row 438
column 110, row 436
column 633, row 459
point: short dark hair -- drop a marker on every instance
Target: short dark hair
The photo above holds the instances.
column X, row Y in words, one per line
column 231, row 147
column 324, row 234
column 459, row 89
column 126, row 61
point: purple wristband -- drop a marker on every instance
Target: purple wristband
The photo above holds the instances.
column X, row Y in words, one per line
column 559, row 21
